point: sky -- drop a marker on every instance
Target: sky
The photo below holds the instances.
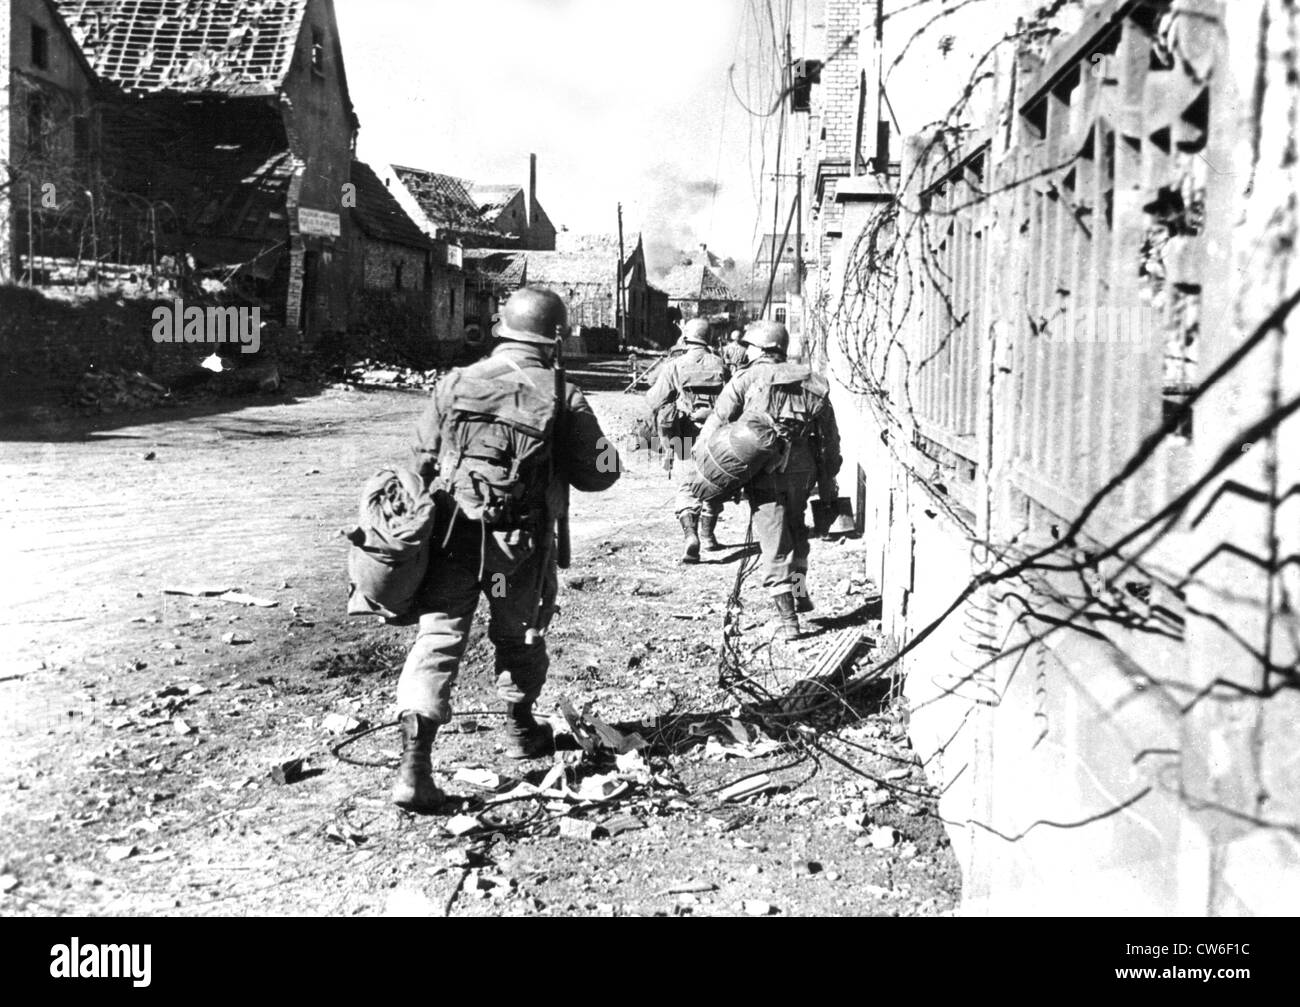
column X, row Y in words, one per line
column 622, row 101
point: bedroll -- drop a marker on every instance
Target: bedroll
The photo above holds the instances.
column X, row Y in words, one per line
column 392, row 544
column 735, row 453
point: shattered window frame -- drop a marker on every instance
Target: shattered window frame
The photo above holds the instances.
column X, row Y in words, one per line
column 40, row 46
column 37, row 146
column 316, row 55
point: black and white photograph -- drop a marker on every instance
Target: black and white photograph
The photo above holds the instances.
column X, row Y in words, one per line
column 586, row 458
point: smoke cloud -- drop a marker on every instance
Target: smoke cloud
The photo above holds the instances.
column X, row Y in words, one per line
column 675, row 214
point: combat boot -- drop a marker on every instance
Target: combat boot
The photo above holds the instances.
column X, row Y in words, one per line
column 415, row 789
column 707, row 539
column 690, row 522
column 525, row 737
column 785, row 608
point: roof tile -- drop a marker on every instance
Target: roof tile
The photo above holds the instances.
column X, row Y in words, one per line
column 235, row 47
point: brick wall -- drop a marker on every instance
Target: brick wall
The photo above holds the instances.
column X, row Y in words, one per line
column 379, row 264
column 839, row 79
column 6, row 90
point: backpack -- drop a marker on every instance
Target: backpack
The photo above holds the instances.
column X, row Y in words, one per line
column 698, row 385
column 795, row 398
column 495, row 457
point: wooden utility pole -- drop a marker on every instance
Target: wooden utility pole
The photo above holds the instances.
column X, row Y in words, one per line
column 776, row 179
column 620, row 308
column 798, row 228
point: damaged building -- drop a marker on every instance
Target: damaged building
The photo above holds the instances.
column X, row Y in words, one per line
column 227, row 143
column 404, row 288
column 49, row 139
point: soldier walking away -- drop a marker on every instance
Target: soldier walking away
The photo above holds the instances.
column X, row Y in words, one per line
column 799, row 402
column 733, row 354
column 681, row 399
column 503, row 439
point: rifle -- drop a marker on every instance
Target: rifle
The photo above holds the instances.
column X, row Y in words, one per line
column 558, row 546
column 563, row 553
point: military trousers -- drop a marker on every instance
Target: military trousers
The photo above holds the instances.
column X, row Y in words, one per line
column 520, row 592
column 684, row 501
column 777, row 502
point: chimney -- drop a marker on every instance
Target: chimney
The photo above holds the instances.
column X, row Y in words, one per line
column 530, row 210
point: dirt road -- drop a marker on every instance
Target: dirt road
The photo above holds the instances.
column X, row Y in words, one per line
column 139, row 726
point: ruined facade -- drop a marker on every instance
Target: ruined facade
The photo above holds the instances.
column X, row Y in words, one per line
column 404, row 288
column 49, row 138
column 219, row 140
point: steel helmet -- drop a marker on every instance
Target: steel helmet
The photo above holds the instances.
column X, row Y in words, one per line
column 735, row 335
column 697, row 332
column 532, row 315
column 767, row 336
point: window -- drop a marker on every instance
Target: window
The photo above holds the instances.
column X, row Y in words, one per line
column 40, row 48
column 780, row 315
column 451, row 303
column 397, row 276
column 317, row 52
column 36, row 124
column 81, row 137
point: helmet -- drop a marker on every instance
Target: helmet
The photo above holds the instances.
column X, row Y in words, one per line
column 697, row 332
column 767, row 336
column 735, row 335
column 532, row 315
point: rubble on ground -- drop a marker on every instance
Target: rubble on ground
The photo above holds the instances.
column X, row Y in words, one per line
column 386, row 375
column 113, row 391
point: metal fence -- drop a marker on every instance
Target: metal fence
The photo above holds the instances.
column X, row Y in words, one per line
column 1063, row 246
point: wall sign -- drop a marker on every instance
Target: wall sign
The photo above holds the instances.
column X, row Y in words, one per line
column 318, row 222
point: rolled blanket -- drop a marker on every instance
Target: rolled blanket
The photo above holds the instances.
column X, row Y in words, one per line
column 735, row 453
column 392, row 544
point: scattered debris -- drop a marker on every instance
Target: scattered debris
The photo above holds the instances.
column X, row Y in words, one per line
column 715, row 749
column 116, row 854
column 195, row 591
column 382, row 375
column 577, row 828
column 747, row 787
column 618, row 824
column 109, row 391
column 883, row 837
column 690, row 888
column 341, row 723
column 239, row 598
column 8, row 883
column 484, row 778
column 289, row 771
column 756, row 907
column 181, row 727
column 235, row 639
column 462, row 825
column 632, row 764
column 341, row 834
